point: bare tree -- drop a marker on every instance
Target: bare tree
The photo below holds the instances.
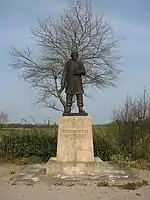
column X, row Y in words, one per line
column 77, row 28
column 134, row 125
column 134, row 110
column 3, row 118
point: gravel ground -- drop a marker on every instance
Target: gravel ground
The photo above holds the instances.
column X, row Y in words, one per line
column 43, row 191
column 92, row 192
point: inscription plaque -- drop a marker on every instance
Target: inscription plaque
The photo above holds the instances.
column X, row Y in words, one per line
column 74, row 136
column 76, row 131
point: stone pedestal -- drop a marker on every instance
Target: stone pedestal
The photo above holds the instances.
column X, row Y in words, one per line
column 75, row 140
column 75, row 154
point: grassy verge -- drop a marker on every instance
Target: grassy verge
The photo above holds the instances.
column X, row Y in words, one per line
column 137, row 164
column 24, row 160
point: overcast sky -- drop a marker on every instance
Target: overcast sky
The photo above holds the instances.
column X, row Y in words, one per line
column 131, row 21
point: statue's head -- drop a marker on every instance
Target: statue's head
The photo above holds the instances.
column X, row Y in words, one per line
column 74, row 55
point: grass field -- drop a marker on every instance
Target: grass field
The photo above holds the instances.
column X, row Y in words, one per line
column 104, row 129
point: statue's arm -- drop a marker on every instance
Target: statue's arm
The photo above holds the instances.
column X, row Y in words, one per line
column 82, row 69
column 64, row 75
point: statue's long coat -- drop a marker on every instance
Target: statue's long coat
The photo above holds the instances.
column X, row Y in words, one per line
column 72, row 77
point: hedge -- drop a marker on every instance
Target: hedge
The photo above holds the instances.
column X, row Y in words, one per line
column 27, row 143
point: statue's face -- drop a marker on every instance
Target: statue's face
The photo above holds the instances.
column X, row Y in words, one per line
column 74, row 56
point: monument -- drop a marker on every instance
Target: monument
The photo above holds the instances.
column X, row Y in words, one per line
column 75, row 153
column 72, row 82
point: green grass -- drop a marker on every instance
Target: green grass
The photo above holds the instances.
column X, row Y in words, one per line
column 24, row 160
column 125, row 186
column 7, row 131
column 108, row 131
column 137, row 164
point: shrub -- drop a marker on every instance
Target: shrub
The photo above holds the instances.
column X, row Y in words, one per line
column 133, row 120
column 104, row 145
column 27, row 144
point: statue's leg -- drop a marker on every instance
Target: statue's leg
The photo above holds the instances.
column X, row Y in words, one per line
column 80, row 103
column 68, row 102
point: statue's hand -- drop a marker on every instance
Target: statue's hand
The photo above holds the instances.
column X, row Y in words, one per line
column 80, row 72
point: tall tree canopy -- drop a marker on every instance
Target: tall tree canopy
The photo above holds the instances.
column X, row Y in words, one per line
column 79, row 28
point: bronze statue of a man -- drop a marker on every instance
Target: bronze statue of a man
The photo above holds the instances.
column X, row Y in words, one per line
column 72, row 82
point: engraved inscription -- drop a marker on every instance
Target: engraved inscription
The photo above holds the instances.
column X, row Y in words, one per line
column 77, row 131
column 74, row 136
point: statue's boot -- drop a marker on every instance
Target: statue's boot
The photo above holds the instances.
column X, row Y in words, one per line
column 81, row 110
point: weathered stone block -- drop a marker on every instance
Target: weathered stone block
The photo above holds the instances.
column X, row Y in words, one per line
column 75, row 140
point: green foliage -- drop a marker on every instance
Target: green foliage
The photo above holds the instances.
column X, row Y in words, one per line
column 134, row 139
column 138, row 164
column 133, row 120
column 30, row 145
column 105, row 143
column 27, row 144
column 36, row 145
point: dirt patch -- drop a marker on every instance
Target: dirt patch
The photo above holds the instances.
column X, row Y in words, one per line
column 45, row 190
column 7, row 171
column 142, row 174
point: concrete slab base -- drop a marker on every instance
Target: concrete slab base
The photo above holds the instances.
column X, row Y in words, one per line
column 105, row 171
column 74, row 169
column 83, row 170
